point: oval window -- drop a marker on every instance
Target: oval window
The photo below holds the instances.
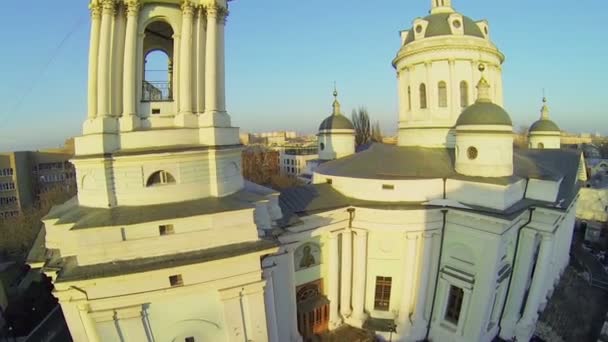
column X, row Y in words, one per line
column 322, row 146
column 472, row 153
column 456, row 23
column 419, row 29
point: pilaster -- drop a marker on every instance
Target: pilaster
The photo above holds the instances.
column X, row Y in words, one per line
column 419, row 321
column 346, row 273
column 334, row 284
column 359, row 277
column 404, row 325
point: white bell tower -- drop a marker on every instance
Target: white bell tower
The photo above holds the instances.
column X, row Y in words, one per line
column 140, row 132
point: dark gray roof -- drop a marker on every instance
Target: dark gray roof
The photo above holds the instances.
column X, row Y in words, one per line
column 484, row 113
column 111, row 269
column 336, row 121
column 440, row 26
column 428, row 163
column 86, row 217
column 544, row 125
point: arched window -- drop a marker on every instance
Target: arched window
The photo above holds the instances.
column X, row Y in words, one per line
column 422, row 96
column 160, row 178
column 442, row 89
column 158, row 62
column 409, row 98
column 541, row 145
column 464, row 94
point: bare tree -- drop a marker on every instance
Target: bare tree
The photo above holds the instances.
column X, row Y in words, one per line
column 360, row 119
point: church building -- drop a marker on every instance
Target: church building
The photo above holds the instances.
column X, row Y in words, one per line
column 451, row 235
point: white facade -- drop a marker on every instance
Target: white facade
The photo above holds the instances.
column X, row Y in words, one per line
column 293, row 161
column 437, row 75
column 165, row 242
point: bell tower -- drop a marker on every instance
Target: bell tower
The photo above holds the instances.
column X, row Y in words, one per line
column 146, row 125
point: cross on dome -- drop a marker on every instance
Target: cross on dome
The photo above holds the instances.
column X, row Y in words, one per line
column 544, row 111
column 336, row 104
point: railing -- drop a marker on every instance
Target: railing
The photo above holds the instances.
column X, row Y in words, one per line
column 153, row 91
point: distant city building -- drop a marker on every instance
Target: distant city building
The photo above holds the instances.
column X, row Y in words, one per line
column 293, row 160
column 25, row 175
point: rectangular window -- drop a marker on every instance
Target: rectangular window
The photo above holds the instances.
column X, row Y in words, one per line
column 166, row 229
column 455, row 297
column 189, row 339
column 155, row 111
column 383, row 293
column 328, row 181
column 176, row 280
column 388, row 187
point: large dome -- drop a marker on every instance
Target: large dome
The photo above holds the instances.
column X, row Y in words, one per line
column 439, row 25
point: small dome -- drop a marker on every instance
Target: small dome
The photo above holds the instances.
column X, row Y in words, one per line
column 484, row 113
column 544, row 125
column 439, row 25
column 336, row 122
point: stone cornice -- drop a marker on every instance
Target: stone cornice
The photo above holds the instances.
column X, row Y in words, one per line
column 442, row 47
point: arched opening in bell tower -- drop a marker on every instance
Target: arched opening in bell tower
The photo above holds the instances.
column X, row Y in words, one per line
column 157, row 85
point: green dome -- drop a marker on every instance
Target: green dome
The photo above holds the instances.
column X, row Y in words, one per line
column 439, row 25
column 484, row 113
column 336, row 121
column 544, row 125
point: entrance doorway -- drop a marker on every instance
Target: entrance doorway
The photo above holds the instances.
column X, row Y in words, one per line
column 313, row 309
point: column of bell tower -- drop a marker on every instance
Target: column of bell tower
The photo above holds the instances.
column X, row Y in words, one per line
column 148, row 141
column 116, row 72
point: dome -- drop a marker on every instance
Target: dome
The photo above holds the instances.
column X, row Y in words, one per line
column 334, row 121
column 484, row 113
column 439, row 25
column 544, row 125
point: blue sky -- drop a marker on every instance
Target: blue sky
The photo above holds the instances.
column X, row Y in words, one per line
column 282, row 58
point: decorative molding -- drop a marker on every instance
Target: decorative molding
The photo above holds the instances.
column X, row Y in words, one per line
column 95, row 10
column 132, row 7
column 214, row 10
column 187, row 8
column 108, row 7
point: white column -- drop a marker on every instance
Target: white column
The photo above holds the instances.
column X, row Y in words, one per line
column 211, row 60
column 454, row 91
column 117, row 64
column 334, row 284
column 409, row 276
column 233, row 316
column 88, row 323
column 221, row 64
column 423, row 285
column 346, row 274
column 200, row 61
column 130, row 321
column 93, row 60
column 269, row 302
column 185, row 75
column 538, row 288
column 359, row 276
column 255, row 322
column 103, row 71
column 431, row 89
column 130, row 61
column 516, row 293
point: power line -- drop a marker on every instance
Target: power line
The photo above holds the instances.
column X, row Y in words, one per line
column 42, row 71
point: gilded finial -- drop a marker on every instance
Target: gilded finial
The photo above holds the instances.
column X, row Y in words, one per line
column 336, row 104
column 335, row 90
column 483, row 87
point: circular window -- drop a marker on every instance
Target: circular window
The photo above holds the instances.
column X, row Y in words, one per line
column 472, row 153
column 322, row 146
column 456, row 23
column 419, row 29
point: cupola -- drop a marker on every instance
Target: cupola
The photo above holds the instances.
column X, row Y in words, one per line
column 484, row 137
column 544, row 133
column 336, row 134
